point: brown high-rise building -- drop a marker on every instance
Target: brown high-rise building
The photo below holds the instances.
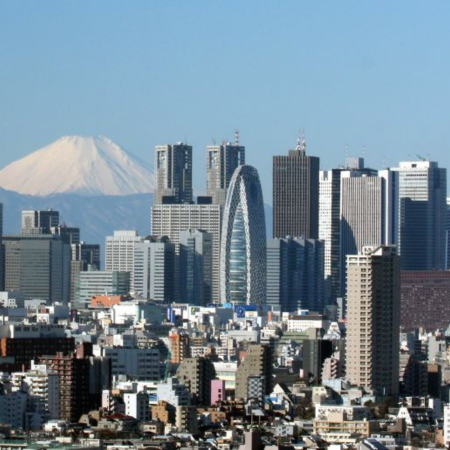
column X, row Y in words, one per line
column 296, row 194
column 73, row 372
column 373, row 319
column 257, row 363
column 180, row 347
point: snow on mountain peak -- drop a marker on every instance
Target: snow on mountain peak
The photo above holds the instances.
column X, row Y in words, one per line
column 82, row 165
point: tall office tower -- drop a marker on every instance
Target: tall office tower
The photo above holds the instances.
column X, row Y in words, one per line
column 295, row 277
column 296, row 194
column 153, row 275
column 243, row 246
column 222, row 161
column 330, row 221
column 39, row 222
column 83, row 257
column 173, row 174
column 195, row 267
column 120, row 250
column 171, row 220
column 2, row 262
column 422, row 193
column 373, row 319
column 37, row 267
column 369, row 212
column 447, row 235
column 257, row 363
column 330, row 229
column 196, row 374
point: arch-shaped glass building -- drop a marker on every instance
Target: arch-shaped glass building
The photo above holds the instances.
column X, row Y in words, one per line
column 243, row 245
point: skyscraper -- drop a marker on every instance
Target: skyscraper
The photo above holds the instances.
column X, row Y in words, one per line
column 196, row 256
column 222, row 161
column 171, row 219
column 422, row 193
column 243, row 246
column 153, row 276
column 173, row 174
column 296, row 194
column 39, row 222
column 38, row 266
column 295, row 274
column 2, row 261
column 373, row 319
column 120, row 250
column 369, row 212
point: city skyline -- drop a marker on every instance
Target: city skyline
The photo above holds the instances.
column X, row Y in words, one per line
column 350, row 75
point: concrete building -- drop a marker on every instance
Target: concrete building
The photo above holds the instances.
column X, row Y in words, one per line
column 369, row 211
column 173, row 392
column 315, row 352
column 218, row 393
column 295, row 274
column 257, row 363
column 424, row 299
column 296, row 194
column 179, row 345
column 120, row 251
column 373, row 319
column 196, row 374
column 173, row 174
column 196, row 267
column 222, row 160
column 422, row 193
column 39, row 222
column 154, row 269
column 2, row 260
column 83, row 256
column 171, row 220
column 243, row 246
column 99, row 282
column 137, row 405
column 38, row 266
column 135, row 363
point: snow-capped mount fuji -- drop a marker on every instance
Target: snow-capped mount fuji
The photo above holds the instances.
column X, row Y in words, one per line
column 87, row 166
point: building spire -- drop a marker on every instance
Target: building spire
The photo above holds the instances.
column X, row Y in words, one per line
column 301, row 143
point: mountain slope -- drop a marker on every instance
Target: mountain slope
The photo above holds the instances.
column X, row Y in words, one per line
column 86, row 166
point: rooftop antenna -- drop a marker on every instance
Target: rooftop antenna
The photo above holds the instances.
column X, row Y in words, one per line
column 363, row 151
column 346, row 156
column 303, row 142
column 236, row 137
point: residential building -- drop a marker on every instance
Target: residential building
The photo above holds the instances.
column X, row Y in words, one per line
column 257, row 363
column 373, row 319
column 296, row 194
column 196, row 374
column 295, row 274
column 173, row 174
column 243, row 246
column 222, row 160
column 137, row 405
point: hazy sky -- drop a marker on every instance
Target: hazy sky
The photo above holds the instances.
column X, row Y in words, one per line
column 352, row 74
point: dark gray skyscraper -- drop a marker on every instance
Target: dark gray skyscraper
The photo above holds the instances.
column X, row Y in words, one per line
column 222, row 161
column 296, row 194
column 295, row 274
column 423, row 208
column 39, row 222
column 173, row 174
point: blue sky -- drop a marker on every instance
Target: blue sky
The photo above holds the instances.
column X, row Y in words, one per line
column 352, row 74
